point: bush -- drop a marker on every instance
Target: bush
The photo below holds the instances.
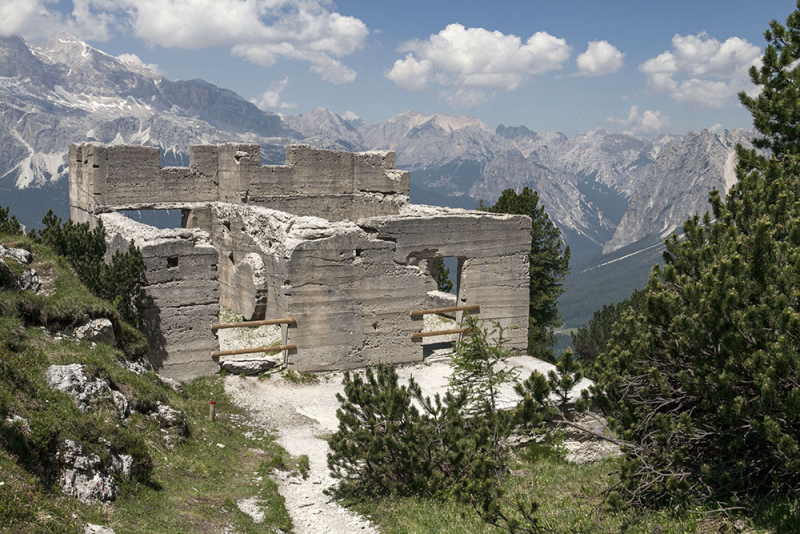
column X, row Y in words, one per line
column 393, row 441
column 9, row 226
column 118, row 282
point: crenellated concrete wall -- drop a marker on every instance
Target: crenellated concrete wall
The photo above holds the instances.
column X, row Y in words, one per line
column 324, row 183
column 329, row 238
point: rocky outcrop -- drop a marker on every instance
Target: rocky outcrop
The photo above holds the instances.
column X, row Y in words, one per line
column 172, row 423
column 678, row 185
column 86, row 391
column 96, row 331
column 84, row 476
column 97, row 529
column 14, row 273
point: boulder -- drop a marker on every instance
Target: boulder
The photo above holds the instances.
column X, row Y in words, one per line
column 97, row 330
column 19, row 254
column 72, row 379
column 250, row 366
column 172, row 423
column 97, row 529
column 83, row 476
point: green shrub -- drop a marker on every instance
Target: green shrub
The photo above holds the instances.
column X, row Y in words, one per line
column 702, row 380
column 118, row 282
column 9, row 226
column 393, row 441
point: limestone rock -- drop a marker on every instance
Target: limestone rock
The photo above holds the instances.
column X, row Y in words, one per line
column 172, row 422
column 19, row 254
column 72, row 379
column 97, row 330
column 83, row 476
column 250, row 366
column 28, row 280
column 122, row 464
column 97, row 529
column 172, row 383
column 134, row 367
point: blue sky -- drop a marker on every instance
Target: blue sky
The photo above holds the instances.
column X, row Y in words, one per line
column 639, row 66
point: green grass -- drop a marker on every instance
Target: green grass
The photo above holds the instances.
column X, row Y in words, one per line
column 194, row 487
column 570, row 499
column 191, row 486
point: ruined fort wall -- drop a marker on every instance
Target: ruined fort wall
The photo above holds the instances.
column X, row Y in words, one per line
column 330, row 184
column 493, row 250
column 352, row 287
column 181, row 293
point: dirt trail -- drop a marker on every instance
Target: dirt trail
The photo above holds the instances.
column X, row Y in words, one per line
column 302, row 415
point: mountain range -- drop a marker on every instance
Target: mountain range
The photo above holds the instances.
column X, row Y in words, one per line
column 612, row 195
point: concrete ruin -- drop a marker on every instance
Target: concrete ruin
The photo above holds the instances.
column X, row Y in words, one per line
column 330, row 239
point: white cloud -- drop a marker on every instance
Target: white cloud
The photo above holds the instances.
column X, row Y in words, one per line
column 476, row 59
column 647, row 123
column 350, row 116
column 133, row 59
column 271, row 98
column 600, row 58
column 716, row 128
column 36, row 19
column 410, row 73
column 702, row 71
column 261, row 31
column 466, row 98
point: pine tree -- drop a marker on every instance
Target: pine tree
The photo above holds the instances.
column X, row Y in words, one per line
column 118, row 281
column 9, row 225
column 549, row 264
column 443, row 282
column 590, row 340
column 703, row 379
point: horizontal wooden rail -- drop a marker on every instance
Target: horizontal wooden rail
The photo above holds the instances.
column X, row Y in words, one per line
column 287, row 320
column 276, row 348
column 471, row 308
column 420, row 335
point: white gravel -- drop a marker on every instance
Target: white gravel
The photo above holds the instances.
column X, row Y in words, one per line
column 301, row 415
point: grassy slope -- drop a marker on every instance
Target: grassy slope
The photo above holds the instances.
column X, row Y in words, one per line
column 569, row 496
column 189, row 488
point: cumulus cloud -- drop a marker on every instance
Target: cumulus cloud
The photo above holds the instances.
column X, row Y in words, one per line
column 647, row 123
column 260, row 31
column 133, row 59
column 467, row 98
column 701, row 70
column 600, row 58
column 37, row 18
column 271, row 98
column 474, row 60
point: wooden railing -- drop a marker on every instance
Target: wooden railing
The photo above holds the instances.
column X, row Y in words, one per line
column 474, row 308
column 252, row 324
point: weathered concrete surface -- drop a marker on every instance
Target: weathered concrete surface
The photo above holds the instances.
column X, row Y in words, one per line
column 331, row 184
column 352, row 287
column 493, row 252
column 181, row 294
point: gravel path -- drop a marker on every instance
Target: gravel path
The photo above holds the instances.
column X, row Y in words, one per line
column 302, row 415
